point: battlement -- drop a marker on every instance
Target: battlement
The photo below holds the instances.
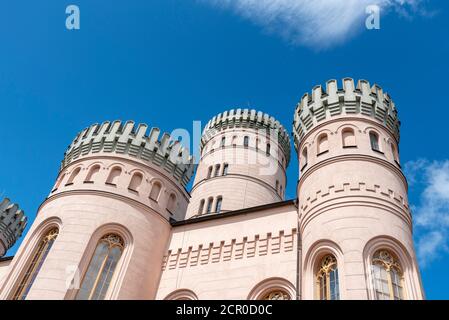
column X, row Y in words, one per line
column 349, row 100
column 245, row 118
column 12, row 222
column 136, row 141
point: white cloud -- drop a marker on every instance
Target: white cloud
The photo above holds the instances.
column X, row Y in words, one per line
column 431, row 213
column 315, row 23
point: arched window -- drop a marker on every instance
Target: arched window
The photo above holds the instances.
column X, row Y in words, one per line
column 246, row 141
column 41, row 252
column 276, row 295
column 136, row 181
column 374, row 140
column 348, row 137
column 218, row 204
column 304, row 157
column 395, row 153
column 209, row 205
column 323, row 143
column 217, row 170
column 201, row 208
column 114, row 176
column 171, row 206
column 225, row 169
column 277, row 186
column 59, row 181
column 155, row 191
column 257, row 143
column 101, row 268
column 268, row 151
column 234, row 141
column 387, row 274
column 90, row 178
column 73, row 176
column 223, row 142
column 209, row 172
column 327, row 279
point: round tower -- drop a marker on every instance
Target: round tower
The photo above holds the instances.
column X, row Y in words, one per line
column 103, row 230
column 244, row 156
column 355, row 221
column 12, row 223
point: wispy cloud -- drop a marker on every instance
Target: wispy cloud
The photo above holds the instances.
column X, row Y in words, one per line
column 431, row 212
column 314, row 23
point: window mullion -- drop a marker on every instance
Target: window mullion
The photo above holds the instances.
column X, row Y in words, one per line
column 100, row 271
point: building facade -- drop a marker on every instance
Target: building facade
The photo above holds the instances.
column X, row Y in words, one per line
column 120, row 223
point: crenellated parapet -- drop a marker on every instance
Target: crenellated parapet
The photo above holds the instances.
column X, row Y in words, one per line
column 12, row 223
column 138, row 141
column 250, row 119
column 349, row 100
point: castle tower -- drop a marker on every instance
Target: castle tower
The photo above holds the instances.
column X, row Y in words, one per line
column 12, row 223
column 103, row 230
column 244, row 155
column 355, row 221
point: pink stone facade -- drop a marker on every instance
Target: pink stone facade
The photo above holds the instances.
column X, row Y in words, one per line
column 233, row 235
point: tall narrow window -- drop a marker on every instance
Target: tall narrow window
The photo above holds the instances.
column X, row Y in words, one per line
column 257, row 143
column 171, row 206
column 395, row 153
column 58, row 183
column 327, row 279
column 201, row 208
column 387, row 274
column 374, row 139
column 218, row 204
column 268, row 149
column 246, row 141
column 348, row 137
column 136, row 181
column 217, row 170
column 277, row 186
column 101, row 268
column 281, row 192
column 155, row 191
column 90, row 178
column 234, row 141
column 43, row 248
column 304, row 157
column 225, row 169
column 114, row 176
column 73, row 176
column 209, row 172
column 223, row 142
column 209, row 205
column 323, row 143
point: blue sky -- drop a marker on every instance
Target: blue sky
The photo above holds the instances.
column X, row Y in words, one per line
column 169, row 62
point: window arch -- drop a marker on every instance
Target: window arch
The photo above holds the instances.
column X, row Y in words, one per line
column 114, row 176
column 225, row 169
column 327, row 283
column 323, row 143
column 155, row 191
column 217, row 170
column 268, row 151
column 273, row 289
column 90, row 178
column 101, row 268
column 348, row 137
column 201, row 207
column 304, row 157
column 209, row 172
column 374, row 140
column 172, row 204
column 388, row 276
column 135, row 182
column 59, row 181
column 218, row 204
column 209, row 205
column 39, row 256
column 246, row 141
column 73, row 176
